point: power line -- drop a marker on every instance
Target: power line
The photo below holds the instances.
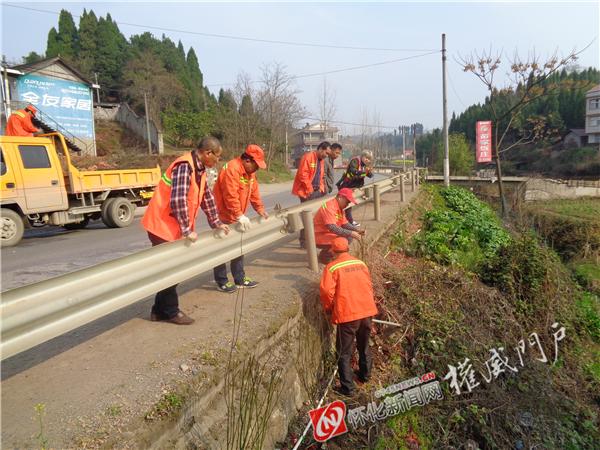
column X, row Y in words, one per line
column 242, row 38
column 346, row 69
column 351, row 123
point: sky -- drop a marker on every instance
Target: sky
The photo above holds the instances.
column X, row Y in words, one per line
column 389, row 95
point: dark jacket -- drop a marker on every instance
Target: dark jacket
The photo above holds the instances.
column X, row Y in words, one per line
column 354, row 176
column 329, row 174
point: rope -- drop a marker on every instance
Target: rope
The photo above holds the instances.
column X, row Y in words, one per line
column 318, row 406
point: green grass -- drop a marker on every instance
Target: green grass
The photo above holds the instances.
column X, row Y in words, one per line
column 276, row 173
column 583, row 208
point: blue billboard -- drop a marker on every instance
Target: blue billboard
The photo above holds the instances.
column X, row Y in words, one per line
column 68, row 102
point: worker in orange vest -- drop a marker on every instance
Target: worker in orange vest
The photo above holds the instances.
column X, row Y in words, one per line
column 235, row 189
column 347, row 296
column 309, row 182
column 330, row 223
column 20, row 122
column 171, row 214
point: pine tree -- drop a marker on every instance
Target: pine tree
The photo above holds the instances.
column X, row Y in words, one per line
column 52, row 45
column 88, row 27
column 68, row 39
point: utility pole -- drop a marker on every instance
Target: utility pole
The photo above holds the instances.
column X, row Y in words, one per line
column 414, row 133
column 147, row 123
column 445, row 108
column 286, row 148
column 97, row 89
column 403, row 148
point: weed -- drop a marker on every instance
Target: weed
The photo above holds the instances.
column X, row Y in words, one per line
column 167, row 405
column 40, row 410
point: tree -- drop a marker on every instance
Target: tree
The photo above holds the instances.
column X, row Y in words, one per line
column 462, row 157
column 145, row 73
column 278, row 104
column 88, row 28
column 111, row 54
column 67, row 39
column 327, row 106
column 32, row 57
column 528, row 82
column 52, row 44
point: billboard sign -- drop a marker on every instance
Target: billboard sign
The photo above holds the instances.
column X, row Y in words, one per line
column 483, row 141
column 68, row 102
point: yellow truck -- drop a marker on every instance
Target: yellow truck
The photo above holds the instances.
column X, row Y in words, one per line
column 40, row 186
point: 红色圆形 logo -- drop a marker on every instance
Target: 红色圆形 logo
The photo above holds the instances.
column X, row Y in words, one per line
column 328, row 421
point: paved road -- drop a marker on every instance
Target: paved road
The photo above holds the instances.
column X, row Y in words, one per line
column 51, row 251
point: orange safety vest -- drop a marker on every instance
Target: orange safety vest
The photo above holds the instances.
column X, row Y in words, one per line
column 19, row 124
column 329, row 213
column 306, row 172
column 235, row 190
column 346, row 289
column 158, row 218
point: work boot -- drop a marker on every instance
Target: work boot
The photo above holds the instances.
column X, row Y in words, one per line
column 179, row 319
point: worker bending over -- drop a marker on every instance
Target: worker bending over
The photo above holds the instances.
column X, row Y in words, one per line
column 20, row 122
column 347, row 296
column 171, row 215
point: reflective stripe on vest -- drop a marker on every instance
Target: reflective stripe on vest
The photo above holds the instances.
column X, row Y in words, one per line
column 351, row 262
column 20, row 114
column 338, row 216
column 166, row 179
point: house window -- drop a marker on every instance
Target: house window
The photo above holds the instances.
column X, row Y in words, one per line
column 595, row 103
column 34, row 157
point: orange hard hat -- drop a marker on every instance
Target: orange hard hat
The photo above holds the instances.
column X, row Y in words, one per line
column 31, row 108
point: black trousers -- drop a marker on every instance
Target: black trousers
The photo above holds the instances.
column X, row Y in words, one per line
column 347, row 333
column 166, row 302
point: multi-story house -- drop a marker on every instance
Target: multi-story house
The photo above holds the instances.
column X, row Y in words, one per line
column 309, row 137
column 592, row 115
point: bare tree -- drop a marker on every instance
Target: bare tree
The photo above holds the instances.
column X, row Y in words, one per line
column 278, row 104
column 528, row 82
column 327, row 106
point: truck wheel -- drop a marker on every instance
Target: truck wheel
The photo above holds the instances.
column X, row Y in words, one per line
column 78, row 225
column 120, row 212
column 12, row 227
column 105, row 214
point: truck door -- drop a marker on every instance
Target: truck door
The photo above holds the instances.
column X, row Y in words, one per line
column 8, row 189
column 42, row 179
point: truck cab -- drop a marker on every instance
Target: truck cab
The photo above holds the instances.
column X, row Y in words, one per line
column 40, row 186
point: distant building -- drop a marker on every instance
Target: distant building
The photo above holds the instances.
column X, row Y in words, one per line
column 576, row 138
column 62, row 95
column 592, row 115
column 308, row 139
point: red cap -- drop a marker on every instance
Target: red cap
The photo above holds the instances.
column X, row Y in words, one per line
column 257, row 154
column 31, row 108
column 347, row 193
column 339, row 245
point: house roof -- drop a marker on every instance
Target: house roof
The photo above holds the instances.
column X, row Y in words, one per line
column 594, row 89
column 318, row 127
column 42, row 64
column 578, row 131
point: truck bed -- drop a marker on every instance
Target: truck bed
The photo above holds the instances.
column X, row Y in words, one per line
column 101, row 180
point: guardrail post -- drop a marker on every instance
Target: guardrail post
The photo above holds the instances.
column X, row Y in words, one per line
column 402, row 188
column 309, row 236
column 293, row 222
column 377, row 203
column 412, row 180
column 367, row 192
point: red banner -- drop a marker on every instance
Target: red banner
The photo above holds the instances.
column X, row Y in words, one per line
column 484, row 141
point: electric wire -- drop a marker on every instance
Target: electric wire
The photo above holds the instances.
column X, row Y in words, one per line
column 240, row 38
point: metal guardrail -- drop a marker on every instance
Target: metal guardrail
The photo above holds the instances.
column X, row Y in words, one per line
column 38, row 312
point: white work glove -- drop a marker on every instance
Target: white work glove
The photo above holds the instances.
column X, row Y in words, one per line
column 244, row 223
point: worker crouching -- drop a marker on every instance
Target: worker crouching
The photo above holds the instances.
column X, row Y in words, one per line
column 347, row 296
column 330, row 223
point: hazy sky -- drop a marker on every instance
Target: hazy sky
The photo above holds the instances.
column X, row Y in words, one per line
column 399, row 93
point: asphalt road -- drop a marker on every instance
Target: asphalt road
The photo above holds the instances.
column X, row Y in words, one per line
column 51, row 251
